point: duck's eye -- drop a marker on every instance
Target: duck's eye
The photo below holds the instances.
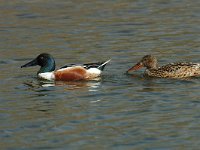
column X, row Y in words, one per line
column 41, row 58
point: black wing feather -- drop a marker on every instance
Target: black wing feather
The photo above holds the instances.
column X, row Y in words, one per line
column 87, row 66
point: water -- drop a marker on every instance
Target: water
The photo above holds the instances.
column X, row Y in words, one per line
column 116, row 112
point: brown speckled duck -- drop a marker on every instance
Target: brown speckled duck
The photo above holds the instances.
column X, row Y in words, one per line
column 173, row 70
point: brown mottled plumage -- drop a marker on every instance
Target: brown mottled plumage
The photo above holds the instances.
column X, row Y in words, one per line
column 173, row 70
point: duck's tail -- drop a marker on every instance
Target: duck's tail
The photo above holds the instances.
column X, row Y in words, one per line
column 98, row 65
column 103, row 64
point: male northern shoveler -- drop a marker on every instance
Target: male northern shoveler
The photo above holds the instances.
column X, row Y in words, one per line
column 66, row 73
column 173, row 70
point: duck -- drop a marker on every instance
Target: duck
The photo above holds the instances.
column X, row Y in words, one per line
column 71, row 72
column 172, row 70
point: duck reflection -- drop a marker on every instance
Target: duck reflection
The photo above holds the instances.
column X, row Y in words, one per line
column 46, row 98
column 91, row 85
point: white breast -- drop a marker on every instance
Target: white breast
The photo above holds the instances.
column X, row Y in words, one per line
column 47, row 76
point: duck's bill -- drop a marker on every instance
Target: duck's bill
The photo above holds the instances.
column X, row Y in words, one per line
column 136, row 67
column 31, row 63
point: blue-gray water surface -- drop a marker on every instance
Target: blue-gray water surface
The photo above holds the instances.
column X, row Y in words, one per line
column 118, row 111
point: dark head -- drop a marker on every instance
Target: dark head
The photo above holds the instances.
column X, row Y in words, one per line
column 148, row 61
column 46, row 61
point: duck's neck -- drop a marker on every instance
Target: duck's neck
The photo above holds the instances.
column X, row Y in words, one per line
column 47, row 68
column 153, row 66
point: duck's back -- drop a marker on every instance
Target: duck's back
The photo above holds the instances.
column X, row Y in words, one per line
column 175, row 70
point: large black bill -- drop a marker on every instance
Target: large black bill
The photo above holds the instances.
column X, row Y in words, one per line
column 31, row 63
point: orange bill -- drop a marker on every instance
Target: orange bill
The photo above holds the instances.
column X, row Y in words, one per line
column 135, row 67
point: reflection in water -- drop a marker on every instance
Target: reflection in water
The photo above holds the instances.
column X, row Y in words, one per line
column 44, row 96
column 159, row 85
column 70, row 85
column 135, row 76
column 91, row 85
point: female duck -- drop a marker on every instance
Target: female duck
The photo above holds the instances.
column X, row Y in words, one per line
column 173, row 70
column 66, row 73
